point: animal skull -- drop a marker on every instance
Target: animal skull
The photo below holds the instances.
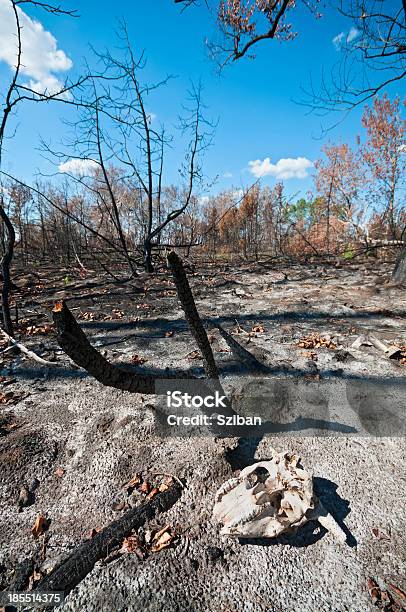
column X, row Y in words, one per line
column 270, row 498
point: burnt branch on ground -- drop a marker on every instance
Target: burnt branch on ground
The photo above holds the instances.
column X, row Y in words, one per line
column 80, row 563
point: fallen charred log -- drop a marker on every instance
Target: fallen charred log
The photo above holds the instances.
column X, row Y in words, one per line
column 75, row 568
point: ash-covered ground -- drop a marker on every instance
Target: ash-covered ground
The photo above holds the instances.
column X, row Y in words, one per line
column 82, row 442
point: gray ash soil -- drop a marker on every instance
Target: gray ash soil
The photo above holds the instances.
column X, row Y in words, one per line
column 101, row 437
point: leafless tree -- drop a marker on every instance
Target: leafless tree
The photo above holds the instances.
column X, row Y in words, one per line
column 372, row 55
column 15, row 94
column 117, row 134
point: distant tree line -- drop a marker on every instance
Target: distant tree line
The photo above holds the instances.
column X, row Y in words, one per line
column 106, row 214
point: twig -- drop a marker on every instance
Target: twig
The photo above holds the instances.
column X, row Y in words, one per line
column 171, row 476
column 26, row 351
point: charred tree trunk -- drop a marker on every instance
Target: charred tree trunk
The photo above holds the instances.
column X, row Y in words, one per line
column 73, row 341
column 83, row 559
column 148, row 256
column 399, row 273
column 5, row 264
column 192, row 316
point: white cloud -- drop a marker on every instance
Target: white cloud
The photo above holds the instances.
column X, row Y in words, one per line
column 352, row 35
column 227, row 175
column 41, row 59
column 79, row 167
column 283, row 169
column 337, row 40
column 348, row 37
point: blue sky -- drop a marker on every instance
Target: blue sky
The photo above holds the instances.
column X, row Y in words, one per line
column 253, row 100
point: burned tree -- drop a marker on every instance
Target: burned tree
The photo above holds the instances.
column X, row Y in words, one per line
column 243, row 25
column 16, row 93
column 117, row 137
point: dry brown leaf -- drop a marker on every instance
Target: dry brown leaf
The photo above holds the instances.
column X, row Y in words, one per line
column 9, row 427
column 312, row 355
column 194, row 355
column 138, row 360
column 380, row 534
column 59, row 472
column 145, row 487
column 152, row 493
column 315, row 341
column 162, row 539
column 9, row 398
column 258, row 329
column 373, row 590
column 131, row 545
column 35, row 330
column 133, row 483
column 168, row 334
column 115, row 314
column 40, row 526
column 87, row 316
column 163, row 487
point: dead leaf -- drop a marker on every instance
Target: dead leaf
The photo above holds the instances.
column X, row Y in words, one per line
column 315, row 341
column 138, row 360
column 258, row 329
column 194, row 355
column 133, row 483
column 132, row 545
column 35, row 330
column 373, row 590
column 168, row 334
column 9, row 397
column 162, row 539
column 380, row 534
column 163, row 487
column 59, row 472
column 90, row 534
column 40, row 526
column 152, row 493
column 145, row 487
column 380, row 597
column 312, row 355
column 115, row 314
column 87, row 316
